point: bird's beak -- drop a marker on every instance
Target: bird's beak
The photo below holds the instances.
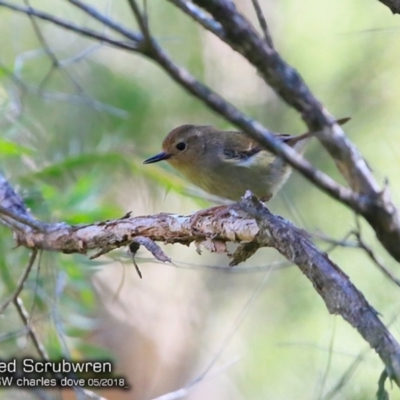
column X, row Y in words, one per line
column 158, row 157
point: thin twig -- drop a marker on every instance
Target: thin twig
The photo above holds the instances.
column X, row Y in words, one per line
column 14, row 225
column 39, row 346
column 21, row 282
column 236, row 324
column 28, row 221
column 70, row 26
column 50, row 53
column 80, row 56
column 183, row 392
column 92, row 11
column 200, row 16
column 346, row 376
column 378, row 263
column 36, row 286
column 337, row 242
column 263, row 23
column 372, row 255
column 23, row 313
column 76, row 99
column 328, row 367
column 141, row 19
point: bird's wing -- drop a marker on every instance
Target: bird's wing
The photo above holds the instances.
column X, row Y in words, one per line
column 239, row 147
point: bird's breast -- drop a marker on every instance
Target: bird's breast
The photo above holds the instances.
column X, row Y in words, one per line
column 262, row 174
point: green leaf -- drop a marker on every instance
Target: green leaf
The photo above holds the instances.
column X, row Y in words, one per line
column 9, row 148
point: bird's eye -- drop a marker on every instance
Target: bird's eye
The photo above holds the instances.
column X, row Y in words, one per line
column 181, row 146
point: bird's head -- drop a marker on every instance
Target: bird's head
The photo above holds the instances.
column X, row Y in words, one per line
column 183, row 146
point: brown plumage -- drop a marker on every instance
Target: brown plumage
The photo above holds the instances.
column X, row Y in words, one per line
column 227, row 163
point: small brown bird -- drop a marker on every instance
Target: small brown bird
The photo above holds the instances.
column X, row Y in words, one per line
column 227, row 163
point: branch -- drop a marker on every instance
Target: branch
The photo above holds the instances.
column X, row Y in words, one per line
column 339, row 294
column 168, row 228
column 249, row 223
column 23, row 313
column 140, row 18
column 363, row 245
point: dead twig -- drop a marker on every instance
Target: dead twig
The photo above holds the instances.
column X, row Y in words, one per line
column 263, row 23
column 21, row 282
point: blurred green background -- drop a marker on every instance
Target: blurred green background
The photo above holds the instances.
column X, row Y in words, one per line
column 72, row 142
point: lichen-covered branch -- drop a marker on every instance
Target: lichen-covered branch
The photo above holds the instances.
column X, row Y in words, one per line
column 163, row 227
column 249, row 223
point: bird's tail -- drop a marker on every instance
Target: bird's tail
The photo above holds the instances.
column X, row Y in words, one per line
column 292, row 140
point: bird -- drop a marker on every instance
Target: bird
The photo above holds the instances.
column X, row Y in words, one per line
column 228, row 163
